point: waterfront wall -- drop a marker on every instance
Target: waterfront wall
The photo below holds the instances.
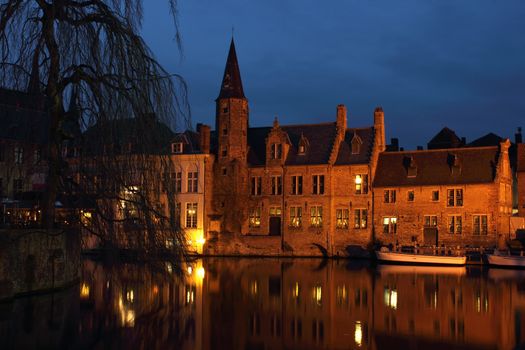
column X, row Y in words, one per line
column 34, row 260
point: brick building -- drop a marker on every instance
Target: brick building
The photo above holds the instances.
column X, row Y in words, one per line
column 453, row 196
column 520, row 176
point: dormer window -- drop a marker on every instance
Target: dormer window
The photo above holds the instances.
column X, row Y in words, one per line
column 302, row 149
column 412, row 168
column 356, row 144
column 276, row 151
column 303, row 145
column 176, row 147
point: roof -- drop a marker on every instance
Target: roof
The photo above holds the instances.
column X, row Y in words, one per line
column 490, row 139
column 446, row 138
column 345, row 155
column 231, row 86
column 435, row 167
column 190, row 141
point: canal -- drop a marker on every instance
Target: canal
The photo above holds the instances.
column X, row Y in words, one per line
column 227, row 303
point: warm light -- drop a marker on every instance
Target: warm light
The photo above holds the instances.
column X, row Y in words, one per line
column 295, row 291
column 130, row 296
column 358, row 334
column 390, row 298
column 84, row 291
column 155, row 290
column 358, row 179
column 200, row 272
column 169, row 268
column 318, row 295
column 201, row 241
column 190, row 270
column 190, row 296
column 254, row 288
column 130, row 318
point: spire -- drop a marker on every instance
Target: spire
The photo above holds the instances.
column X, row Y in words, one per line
column 231, row 86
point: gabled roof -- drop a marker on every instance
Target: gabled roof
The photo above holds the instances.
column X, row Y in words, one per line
column 320, row 138
column 345, row 156
column 446, row 138
column 190, row 139
column 476, row 165
column 490, row 139
column 231, row 86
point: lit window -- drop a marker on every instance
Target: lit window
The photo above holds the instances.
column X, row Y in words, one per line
column 360, row 218
column 277, row 185
column 480, row 224
column 302, row 149
column 390, row 225
column 297, row 185
column 255, row 217
column 191, row 215
column 275, row 211
column 318, row 184
column 176, row 147
column 316, row 216
column 296, row 214
column 341, row 218
column 361, row 184
column 455, row 224
column 389, row 196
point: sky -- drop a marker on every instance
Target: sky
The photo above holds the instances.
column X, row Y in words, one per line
column 428, row 63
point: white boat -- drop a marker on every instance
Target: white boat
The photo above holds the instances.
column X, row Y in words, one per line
column 498, row 259
column 426, row 259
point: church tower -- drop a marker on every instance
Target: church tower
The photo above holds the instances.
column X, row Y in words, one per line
column 231, row 167
column 231, row 122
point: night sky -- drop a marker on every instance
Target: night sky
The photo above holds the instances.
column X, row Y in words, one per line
column 428, row 63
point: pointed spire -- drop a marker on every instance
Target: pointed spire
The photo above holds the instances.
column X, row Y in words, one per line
column 33, row 87
column 231, row 86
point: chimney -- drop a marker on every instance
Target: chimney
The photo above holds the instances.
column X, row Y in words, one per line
column 463, row 141
column 517, row 137
column 379, row 126
column 394, row 144
column 204, row 137
column 341, row 118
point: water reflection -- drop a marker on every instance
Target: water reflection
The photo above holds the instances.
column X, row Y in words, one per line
column 272, row 304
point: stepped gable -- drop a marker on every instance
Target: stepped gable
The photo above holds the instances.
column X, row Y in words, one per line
column 434, row 167
column 345, row 156
column 446, row 138
column 320, row 138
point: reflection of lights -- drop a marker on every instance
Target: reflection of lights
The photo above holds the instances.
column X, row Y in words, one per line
column 84, row 291
column 358, row 334
column 318, row 294
column 295, row 291
column 127, row 316
column 169, row 268
column 107, row 284
column 130, row 296
column 190, row 270
column 190, row 296
column 130, row 318
column 254, row 288
column 200, row 272
column 342, row 293
column 390, row 298
column 155, row 290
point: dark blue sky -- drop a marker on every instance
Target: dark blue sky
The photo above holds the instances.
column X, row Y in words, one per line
column 428, row 63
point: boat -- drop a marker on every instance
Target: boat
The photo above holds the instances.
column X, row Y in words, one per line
column 499, row 259
column 385, row 255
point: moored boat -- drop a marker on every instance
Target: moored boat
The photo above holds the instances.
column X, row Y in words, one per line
column 424, row 259
column 497, row 259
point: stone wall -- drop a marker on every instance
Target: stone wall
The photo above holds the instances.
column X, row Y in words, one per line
column 37, row 260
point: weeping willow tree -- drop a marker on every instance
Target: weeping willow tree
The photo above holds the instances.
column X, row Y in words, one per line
column 111, row 106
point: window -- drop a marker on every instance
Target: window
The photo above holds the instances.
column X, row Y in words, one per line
column 318, row 184
column 455, row 224
column 316, row 216
column 360, row 218
column 224, row 151
column 431, row 221
column 302, row 149
column 341, row 218
column 277, row 185
column 480, row 224
column 191, row 215
column 18, row 186
column 390, row 196
column 37, row 155
column 177, row 181
column 256, row 185
column 19, row 155
column 390, row 225
column 176, row 147
column 225, row 131
column 454, row 198
column 225, row 110
column 275, row 211
column 296, row 216
column 193, row 181
column 297, row 185
column 276, row 151
column 255, row 217
column 410, row 196
column 435, row 196
column 224, row 171
column 361, row 184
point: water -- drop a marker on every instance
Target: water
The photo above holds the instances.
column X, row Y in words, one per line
column 270, row 304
